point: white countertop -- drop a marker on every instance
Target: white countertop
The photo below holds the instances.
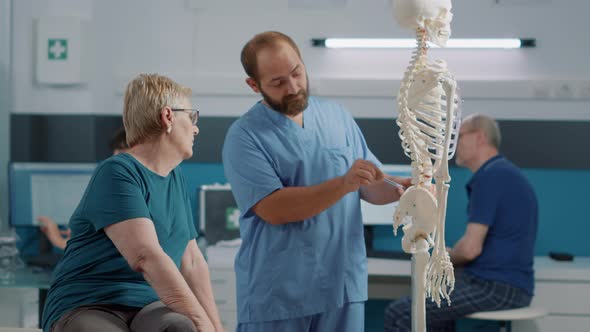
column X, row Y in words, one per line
column 389, row 267
column 546, row 269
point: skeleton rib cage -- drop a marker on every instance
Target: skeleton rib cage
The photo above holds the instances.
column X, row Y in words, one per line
column 422, row 111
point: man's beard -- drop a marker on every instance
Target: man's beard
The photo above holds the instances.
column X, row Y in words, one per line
column 290, row 105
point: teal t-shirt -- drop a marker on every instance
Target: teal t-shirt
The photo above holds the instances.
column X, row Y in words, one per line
column 92, row 270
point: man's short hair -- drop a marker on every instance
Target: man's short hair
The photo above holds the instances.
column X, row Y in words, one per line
column 488, row 126
column 268, row 39
column 145, row 97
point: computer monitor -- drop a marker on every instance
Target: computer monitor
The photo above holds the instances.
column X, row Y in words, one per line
column 219, row 216
column 49, row 189
column 383, row 214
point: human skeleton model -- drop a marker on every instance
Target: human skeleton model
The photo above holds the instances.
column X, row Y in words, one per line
column 429, row 121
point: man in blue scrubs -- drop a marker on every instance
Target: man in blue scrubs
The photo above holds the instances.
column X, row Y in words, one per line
column 298, row 166
column 496, row 252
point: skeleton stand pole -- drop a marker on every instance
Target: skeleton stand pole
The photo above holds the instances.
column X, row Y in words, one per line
column 419, row 262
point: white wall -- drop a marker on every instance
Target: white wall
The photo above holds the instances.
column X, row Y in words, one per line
column 197, row 42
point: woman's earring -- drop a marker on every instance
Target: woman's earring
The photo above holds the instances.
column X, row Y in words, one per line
column 169, row 130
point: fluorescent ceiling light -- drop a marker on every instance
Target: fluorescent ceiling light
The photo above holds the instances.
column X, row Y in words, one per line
column 482, row 43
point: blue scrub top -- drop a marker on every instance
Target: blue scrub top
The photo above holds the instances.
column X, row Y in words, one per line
column 501, row 197
column 307, row 267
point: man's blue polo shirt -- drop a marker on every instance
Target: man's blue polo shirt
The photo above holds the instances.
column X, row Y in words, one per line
column 501, row 197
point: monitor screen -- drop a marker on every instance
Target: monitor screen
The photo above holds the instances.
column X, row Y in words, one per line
column 219, row 216
column 48, row 189
column 383, row 214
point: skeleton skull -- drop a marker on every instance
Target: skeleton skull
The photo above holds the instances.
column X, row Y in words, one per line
column 432, row 15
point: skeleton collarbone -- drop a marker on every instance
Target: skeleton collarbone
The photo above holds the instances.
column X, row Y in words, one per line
column 428, row 86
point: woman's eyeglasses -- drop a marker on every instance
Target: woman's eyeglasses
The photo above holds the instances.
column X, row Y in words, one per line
column 194, row 113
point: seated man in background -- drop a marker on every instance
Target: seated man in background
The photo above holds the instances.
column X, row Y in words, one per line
column 496, row 252
column 59, row 237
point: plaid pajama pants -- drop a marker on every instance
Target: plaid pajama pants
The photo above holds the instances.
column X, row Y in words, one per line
column 471, row 295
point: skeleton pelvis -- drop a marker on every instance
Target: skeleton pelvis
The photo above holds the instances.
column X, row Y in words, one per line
column 417, row 209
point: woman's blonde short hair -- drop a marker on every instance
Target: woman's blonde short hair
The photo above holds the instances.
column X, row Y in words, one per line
column 145, row 97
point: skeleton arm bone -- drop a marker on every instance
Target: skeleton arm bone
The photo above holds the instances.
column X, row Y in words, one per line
column 450, row 86
column 440, row 278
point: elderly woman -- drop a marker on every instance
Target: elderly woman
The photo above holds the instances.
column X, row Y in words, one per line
column 132, row 263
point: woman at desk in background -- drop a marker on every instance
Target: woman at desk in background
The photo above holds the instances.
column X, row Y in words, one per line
column 132, row 263
column 59, row 237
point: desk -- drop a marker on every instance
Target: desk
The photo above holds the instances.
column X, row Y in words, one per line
column 384, row 267
column 223, row 281
column 29, row 277
column 34, row 278
column 389, row 278
column 562, row 288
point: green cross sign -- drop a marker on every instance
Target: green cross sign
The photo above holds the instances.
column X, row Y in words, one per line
column 57, row 49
